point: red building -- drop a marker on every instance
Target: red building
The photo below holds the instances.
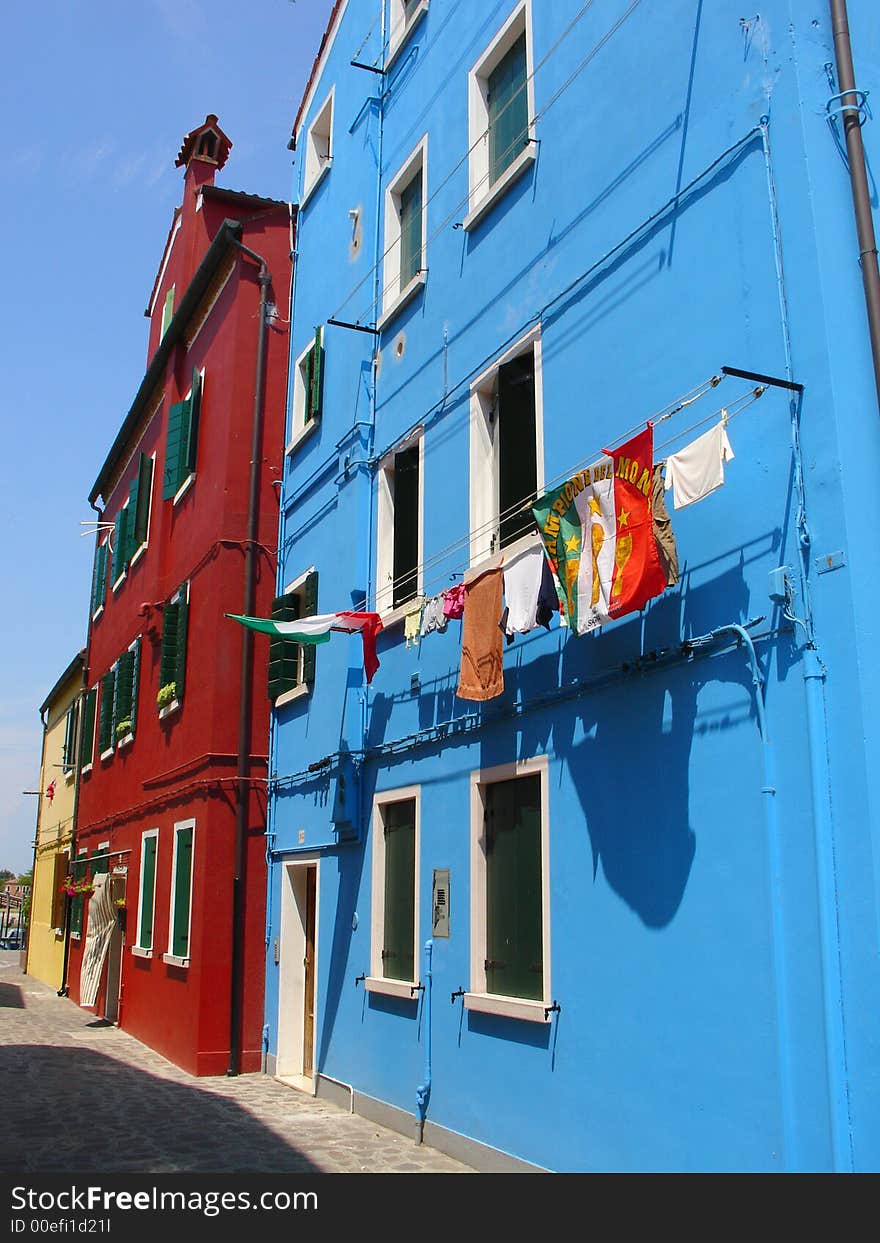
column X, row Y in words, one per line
column 175, row 721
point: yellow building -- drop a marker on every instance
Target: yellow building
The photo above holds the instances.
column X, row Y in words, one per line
column 55, row 821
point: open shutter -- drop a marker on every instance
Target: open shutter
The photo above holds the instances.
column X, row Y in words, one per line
column 182, row 882
column 283, row 654
column 68, row 758
column 105, row 722
column 87, row 741
column 124, row 679
column 141, row 498
column 309, row 609
column 148, row 889
column 79, row 871
column 99, row 577
column 135, row 655
column 180, row 645
column 189, row 440
column 118, row 546
column 315, row 378
column 171, row 479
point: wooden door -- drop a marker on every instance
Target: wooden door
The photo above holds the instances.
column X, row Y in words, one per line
column 309, row 965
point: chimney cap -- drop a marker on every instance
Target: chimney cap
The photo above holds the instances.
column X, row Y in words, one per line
column 205, row 142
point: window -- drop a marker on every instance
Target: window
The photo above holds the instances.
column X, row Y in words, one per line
column 395, row 933
column 404, row 264
column 510, row 891
column 308, row 390
column 105, row 718
column 181, row 895
column 87, row 739
column 120, row 545
column 99, row 578
column 125, row 705
column 68, row 755
column 147, row 891
column 181, row 442
column 501, row 112
column 292, row 665
column 507, row 469
column 60, row 868
column 319, row 148
column 79, row 871
column 172, row 659
column 167, row 311
column 130, row 530
column 399, row 551
column 403, row 17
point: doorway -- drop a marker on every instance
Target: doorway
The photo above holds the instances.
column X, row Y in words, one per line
column 297, row 974
column 113, row 987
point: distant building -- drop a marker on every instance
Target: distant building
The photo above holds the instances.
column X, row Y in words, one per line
column 175, row 717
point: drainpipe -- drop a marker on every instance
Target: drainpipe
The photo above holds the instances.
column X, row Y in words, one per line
column 423, row 1091
column 247, row 665
column 858, row 178
column 27, row 947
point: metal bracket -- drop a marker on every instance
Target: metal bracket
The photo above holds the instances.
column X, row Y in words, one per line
column 416, row 988
column 358, row 979
column 548, row 1010
column 860, row 105
column 459, row 992
column 774, row 381
column 357, row 64
column 341, row 323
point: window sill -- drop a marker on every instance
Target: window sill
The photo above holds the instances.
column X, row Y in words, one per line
column 506, row 1007
column 97, row 613
column 141, row 953
column 76, row 936
column 125, row 742
column 184, row 488
column 69, row 775
column 397, row 48
column 489, row 561
column 173, row 960
column 523, row 161
column 302, row 434
column 406, row 295
column 106, row 755
column 120, row 580
column 142, row 548
column 310, row 189
column 409, row 990
column 298, row 692
column 168, row 709
column 84, row 772
column 393, row 616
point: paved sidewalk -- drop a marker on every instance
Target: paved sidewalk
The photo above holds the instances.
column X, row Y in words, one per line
column 83, row 1097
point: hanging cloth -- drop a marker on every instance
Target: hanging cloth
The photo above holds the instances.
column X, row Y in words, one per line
column 101, row 923
column 433, row 617
column 663, row 533
column 453, row 604
column 548, row 597
column 482, row 675
column 412, row 622
column 522, row 585
column 698, row 469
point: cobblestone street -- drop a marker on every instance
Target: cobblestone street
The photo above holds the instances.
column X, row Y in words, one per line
column 81, row 1096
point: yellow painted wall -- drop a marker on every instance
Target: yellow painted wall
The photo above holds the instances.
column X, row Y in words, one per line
column 46, row 945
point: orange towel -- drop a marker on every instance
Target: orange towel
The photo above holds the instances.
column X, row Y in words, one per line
column 482, row 674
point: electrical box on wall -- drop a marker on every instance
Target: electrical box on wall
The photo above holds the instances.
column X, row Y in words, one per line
column 440, row 903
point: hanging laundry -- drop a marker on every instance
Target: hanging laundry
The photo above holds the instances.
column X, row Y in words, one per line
column 412, row 622
column 698, row 469
column 434, row 617
column 482, row 674
column 663, row 533
column 598, row 533
column 317, row 629
column 522, row 586
column 453, row 605
column 548, row 597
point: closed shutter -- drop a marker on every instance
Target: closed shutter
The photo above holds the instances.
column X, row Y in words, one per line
column 100, row 862
column 60, row 866
column 283, row 653
column 168, row 657
column 124, row 683
column 78, row 871
column 398, row 949
column 68, row 758
column 171, row 479
column 142, row 501
column 119, row 544
column 167, row 310
column 148, row 890
column 99, row 577
column 514, row 928
column 309, row 609
column 411, row 230
column 87, row 743
column 105, row 721
column 508, row 103
column 182, row 894
column 315, row 378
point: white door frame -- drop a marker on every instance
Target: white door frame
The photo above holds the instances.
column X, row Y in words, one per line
column 291, row 972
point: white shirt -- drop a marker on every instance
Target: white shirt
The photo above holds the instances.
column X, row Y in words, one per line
column 699, row 468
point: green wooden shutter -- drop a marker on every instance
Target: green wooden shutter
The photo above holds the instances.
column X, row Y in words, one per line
column 100, row 863
column 168, row 657
column 141, row 508
column 105, row 720
column 148, row 891
column 309, row 609
column 180, row 645
column 78, row 871
column 167, row 311
column 124, row 684
column 135, row 654
column 283, row 653
column 508, row 102
column 411, row 230
column 514, row 928
column 182, row 893
column 99, row 577
column 68, row 758
column 118, row 545
column 315, row 378
column 171, row 479
column 398, row 950
column 87, row 742
column 189, row 442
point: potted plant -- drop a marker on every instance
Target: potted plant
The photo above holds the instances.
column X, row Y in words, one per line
column 75, row 888
column 123, row 728
column 167, row 694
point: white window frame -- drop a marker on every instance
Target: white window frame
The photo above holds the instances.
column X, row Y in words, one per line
column 302, row 687
column 376, row 982
column 144, row 545
column 485, row 446
column 175, row 960
column 400, row 27
column 300, row 430
column 385, row 531
column 395, row 298
column 319, row 148
column 482, row 196
column 477, row 998
column 142, row 951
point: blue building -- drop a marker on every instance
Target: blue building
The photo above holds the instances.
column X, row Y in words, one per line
column 622, row 914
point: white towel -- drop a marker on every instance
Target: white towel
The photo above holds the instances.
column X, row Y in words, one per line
column 698, row 469
column 522, row 583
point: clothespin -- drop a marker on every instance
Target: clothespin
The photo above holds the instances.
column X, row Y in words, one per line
column 723, row 417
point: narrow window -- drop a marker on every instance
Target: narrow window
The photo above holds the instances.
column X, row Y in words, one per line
column 87, row 742
column 121, row 545
column 105, row 720
column 139, row 499
column 125, row 707
column 308, row 389
column 291, row 664
column 167, row 311
column 147, row 890
column 172, row 658
column 513, row 895
column 400, row 527
column 181, row 439
column 68, row 755
column 411, row 230
column 398, row 944
column 181, row 891
column 404, row 265
column 79, row 872
column 319, row 147
column 60, row 869
column 99, row 578
column 508, row 109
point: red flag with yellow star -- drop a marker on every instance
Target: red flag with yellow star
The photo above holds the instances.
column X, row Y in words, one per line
column 599, row 537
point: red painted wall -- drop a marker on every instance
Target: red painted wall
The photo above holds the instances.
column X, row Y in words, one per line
column 184, row 767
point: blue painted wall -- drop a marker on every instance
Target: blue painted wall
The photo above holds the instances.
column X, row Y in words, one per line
column 713, row 945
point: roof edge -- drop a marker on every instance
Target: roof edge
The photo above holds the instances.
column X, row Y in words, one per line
column 78, row 662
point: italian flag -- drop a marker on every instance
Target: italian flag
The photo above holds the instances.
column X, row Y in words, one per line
column 598, row 533
column 318, row 629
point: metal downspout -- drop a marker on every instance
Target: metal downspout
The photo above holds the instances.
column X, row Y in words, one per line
column 858, row 176
column 423, row 1091
column 247, row 665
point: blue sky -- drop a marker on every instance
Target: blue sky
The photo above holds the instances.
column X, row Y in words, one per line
column 95, row 97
